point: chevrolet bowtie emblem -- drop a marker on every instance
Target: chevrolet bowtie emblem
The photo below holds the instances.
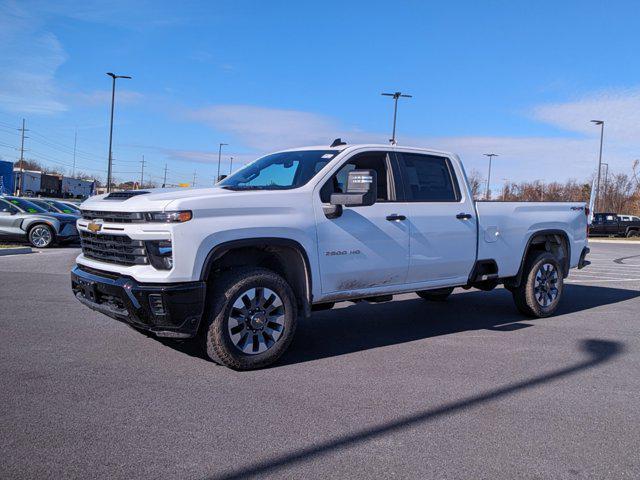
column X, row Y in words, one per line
column 94, row 227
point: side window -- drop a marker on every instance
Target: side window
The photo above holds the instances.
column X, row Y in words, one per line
column 610, row 219
column 428, row 178
column 377, row 161
column 7, row 208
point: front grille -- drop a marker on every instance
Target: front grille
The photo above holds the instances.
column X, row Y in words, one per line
column 118, row 249
column 114, row 217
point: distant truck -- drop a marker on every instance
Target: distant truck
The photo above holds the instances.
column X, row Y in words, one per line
column 298, row 230
column 611, row 225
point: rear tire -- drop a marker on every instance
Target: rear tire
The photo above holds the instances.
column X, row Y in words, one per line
column 251, row 318
column 540, row 290
column 41, row 236
column 439, row 295
column 632, row 233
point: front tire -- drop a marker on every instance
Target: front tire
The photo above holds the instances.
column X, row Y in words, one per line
column 632, row 233
column 41, row 236
column 251, row 318
column 439, row 295
column 540, row 290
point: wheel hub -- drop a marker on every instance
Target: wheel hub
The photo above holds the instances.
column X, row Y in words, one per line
column 258, row 320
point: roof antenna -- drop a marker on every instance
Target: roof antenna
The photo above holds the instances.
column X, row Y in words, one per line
column 337, row 142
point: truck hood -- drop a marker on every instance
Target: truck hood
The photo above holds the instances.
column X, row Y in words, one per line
column 159, row 199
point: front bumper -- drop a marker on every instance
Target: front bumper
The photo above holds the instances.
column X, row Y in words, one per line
column 167, row 310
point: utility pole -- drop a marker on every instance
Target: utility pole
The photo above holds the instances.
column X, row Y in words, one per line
column 142, row 172
column 219, row 158
column 75, row 142
column 21, row 182
column 113, row 101
column 164, row 182
column 395, row 96
column 487, row 192
column 230, row 165
column 601, row 123
column 193, row 184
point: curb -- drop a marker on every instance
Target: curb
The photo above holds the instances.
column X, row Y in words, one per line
column 605, row 240
column 15, row 251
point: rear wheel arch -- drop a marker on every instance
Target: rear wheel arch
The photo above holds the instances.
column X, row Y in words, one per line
column 284, row 256
column 553, row 241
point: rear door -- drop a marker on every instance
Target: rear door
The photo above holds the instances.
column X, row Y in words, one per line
column 365, row 247
column 442, row 219
column 611, row 224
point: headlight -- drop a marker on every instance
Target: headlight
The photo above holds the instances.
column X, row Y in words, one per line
column 169, row 217
column 160, row 254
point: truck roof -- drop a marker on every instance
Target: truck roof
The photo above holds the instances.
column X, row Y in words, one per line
column 380, row 146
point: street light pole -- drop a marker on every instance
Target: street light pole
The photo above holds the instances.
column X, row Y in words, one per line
column 604, row 188
column 113, row 98
column 219, row 159
column 395, row 96
column 490, row 155
column 601, row 123
column 230, row 165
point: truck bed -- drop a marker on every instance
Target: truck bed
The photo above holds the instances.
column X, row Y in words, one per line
column 505, row 228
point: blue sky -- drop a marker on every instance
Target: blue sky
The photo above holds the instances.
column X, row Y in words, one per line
column 518, row 78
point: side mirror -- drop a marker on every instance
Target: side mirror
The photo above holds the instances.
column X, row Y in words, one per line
column 362, row 189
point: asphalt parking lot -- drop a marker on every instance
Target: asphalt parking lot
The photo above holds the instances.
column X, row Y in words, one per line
column 406, row 389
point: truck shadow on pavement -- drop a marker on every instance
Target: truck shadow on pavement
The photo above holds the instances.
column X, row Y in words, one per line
column 597, row 352
column 365, row 326
column 350, row 328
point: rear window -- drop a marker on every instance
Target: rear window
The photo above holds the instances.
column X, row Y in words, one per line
column 428, row 178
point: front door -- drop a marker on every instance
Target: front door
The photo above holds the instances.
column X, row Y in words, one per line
column 442, row 220
column 365, row 247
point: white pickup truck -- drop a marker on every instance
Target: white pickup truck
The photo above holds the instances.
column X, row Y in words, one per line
column 295, row 231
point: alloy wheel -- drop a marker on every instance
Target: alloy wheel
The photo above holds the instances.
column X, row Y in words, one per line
column 256, row 320
column 40, row 236
column 546, row 285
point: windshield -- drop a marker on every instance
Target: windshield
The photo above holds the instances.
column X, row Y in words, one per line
column 279, row 171
column 70, row 206
column 25, row 205
column 44, row 205
column 62, row 207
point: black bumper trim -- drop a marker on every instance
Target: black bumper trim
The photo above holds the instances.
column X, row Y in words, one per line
column 126, row 300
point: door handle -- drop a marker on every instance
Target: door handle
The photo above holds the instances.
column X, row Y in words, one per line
column 463, row 216
column 394, row 217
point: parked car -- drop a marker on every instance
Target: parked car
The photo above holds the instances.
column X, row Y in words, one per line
column 629, row 218
column 55, row 206
column 299, row 230
column 21, row 219
column 610, row 225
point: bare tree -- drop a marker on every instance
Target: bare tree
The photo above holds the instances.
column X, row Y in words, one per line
column 476, row 180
